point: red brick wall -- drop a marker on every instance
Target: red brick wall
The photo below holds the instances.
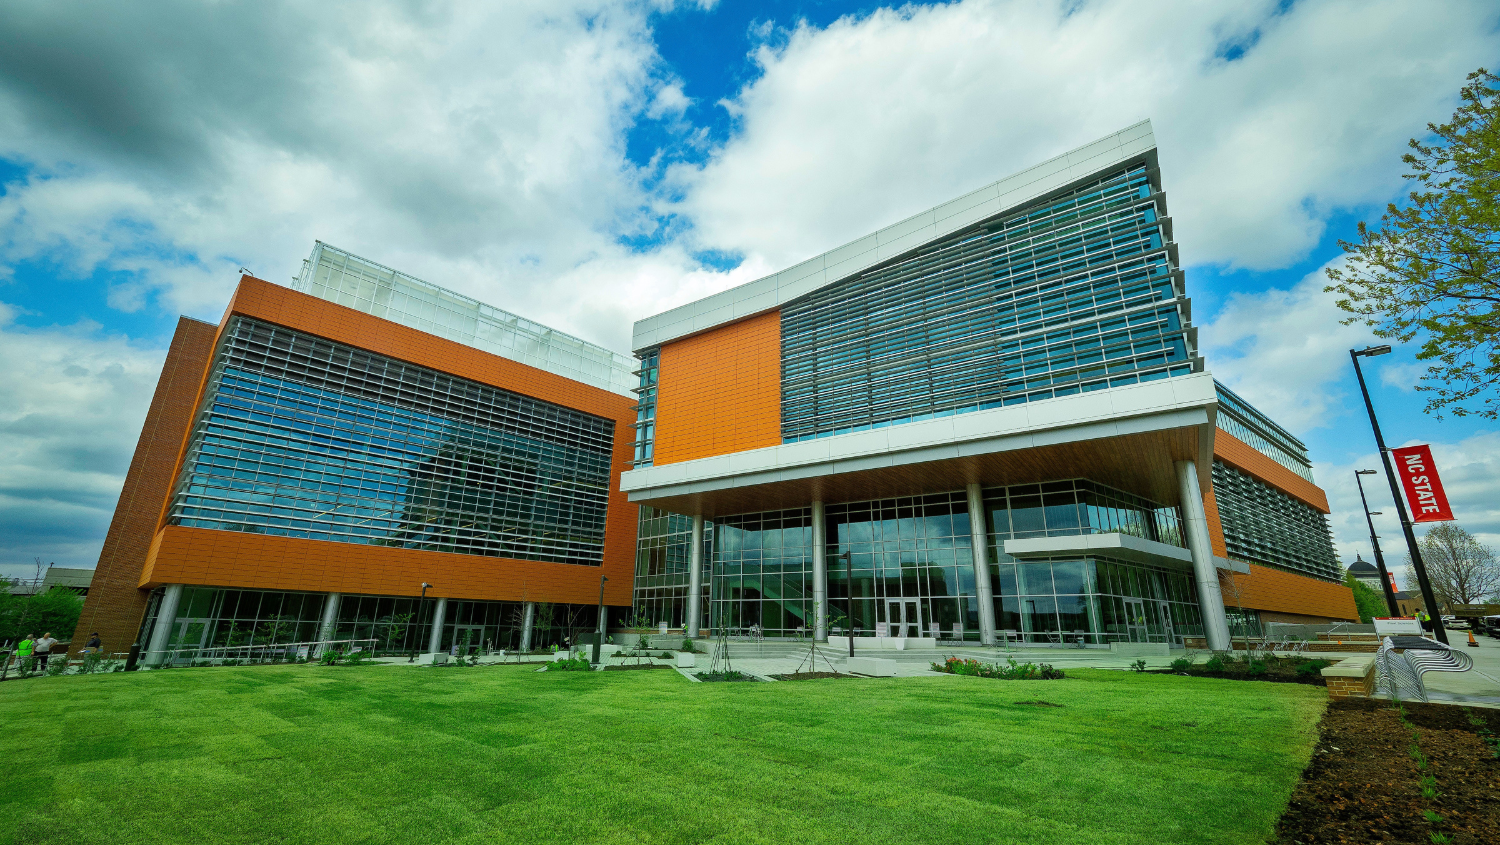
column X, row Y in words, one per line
column 115, row 603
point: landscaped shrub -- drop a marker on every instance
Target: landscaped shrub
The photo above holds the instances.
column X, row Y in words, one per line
column 1214, row 664
column 574, row 664
column 355, row 658
column 1255, row 668
column 1181, row 664
column 329, row 657
column 1312, row 667
column 687, row 646
column 1139, row 665
column 1012, row 671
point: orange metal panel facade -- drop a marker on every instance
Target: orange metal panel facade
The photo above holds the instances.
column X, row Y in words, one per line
column 720, row 391
column 1266, row 588
column 207, row 557
column 262, row 562
column 1242, row 456
column 115, row 604
column 1284, row 592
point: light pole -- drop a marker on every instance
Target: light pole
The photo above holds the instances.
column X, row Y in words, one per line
column 602, row 579
column 1385, row 578
column 411, row 656
column 1429, row 600
column 849, row 594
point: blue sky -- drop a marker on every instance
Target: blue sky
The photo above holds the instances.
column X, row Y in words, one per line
column 639, row 155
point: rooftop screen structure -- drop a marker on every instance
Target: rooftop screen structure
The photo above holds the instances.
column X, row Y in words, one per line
column 341, row 277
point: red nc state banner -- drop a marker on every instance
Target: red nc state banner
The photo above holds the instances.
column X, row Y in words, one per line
column 1424, row 490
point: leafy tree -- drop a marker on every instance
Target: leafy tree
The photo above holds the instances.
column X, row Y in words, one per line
column 1431, row 269
column 1462, row 569
column 1368, row 601
column 56, row 610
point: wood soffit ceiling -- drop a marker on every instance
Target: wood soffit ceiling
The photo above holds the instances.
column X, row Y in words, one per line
column 1136, row 463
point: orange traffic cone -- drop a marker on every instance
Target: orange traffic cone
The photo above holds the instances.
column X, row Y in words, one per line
column 1473, row 643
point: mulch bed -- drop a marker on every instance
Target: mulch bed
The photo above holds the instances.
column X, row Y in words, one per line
column 1362, row 784
column 810, row 676
column 636, row 666
column 1273, row 677
column 710, row 678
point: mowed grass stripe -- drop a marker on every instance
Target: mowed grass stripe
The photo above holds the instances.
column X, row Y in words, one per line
column 393, row 754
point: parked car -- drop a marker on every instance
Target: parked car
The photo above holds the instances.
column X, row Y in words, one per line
column 1490, row 625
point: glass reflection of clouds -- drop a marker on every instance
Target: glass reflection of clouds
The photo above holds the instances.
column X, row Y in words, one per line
column 307, row 438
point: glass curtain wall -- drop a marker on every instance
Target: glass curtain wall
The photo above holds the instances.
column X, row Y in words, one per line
column 209, row 617
column 909, row 569
column 762, row 573
column 663, row 542
column 1074, row 293
column 301, row 437
column 905, row 567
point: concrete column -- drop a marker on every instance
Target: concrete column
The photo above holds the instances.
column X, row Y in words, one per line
column 329, row 625
column 980, row 540
column 820, row 572
column 694, row 624
column 528, row 620
column 435, row 642
column 1195, row 522
column 166, row 620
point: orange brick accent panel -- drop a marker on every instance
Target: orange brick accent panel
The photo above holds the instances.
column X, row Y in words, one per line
column 1240, row 455
column 115, row 604
column 1272, row 589
column 231, row 556
column 720, row 391
column 257, row 561
column 1215, row 527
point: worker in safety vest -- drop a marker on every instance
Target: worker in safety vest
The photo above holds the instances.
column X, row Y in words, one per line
column 1425, row 619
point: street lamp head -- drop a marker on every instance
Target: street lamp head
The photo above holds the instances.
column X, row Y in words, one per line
column 426, row 585
column 1364, row 472
column 1372, row 351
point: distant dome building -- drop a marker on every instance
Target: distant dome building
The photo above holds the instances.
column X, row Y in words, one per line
column 1364, row 571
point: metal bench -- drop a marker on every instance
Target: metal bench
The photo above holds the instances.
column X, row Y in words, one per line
column 1418, row 656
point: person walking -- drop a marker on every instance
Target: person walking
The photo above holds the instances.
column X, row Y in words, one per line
column 92, row 646
column 44, row 649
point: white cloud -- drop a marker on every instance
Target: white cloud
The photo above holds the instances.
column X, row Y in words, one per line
column 1402, row 376
column 479, row 147
column 1286, row 350
column 72, row 401
column 871, row 119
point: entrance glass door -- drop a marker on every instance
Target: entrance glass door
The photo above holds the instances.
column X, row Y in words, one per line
column 1135, row 621
column 1164, row 611
column 187, row 635
column 468, row 636
column 904, row 618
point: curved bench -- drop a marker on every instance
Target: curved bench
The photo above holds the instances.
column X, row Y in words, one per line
column 1418, row 656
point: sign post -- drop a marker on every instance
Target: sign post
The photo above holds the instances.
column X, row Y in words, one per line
column 1428, row 599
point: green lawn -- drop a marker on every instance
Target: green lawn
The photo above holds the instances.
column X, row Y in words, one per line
column 409, row 755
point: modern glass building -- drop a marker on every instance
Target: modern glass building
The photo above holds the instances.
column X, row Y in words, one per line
column 989, row 419
column 372, row 457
